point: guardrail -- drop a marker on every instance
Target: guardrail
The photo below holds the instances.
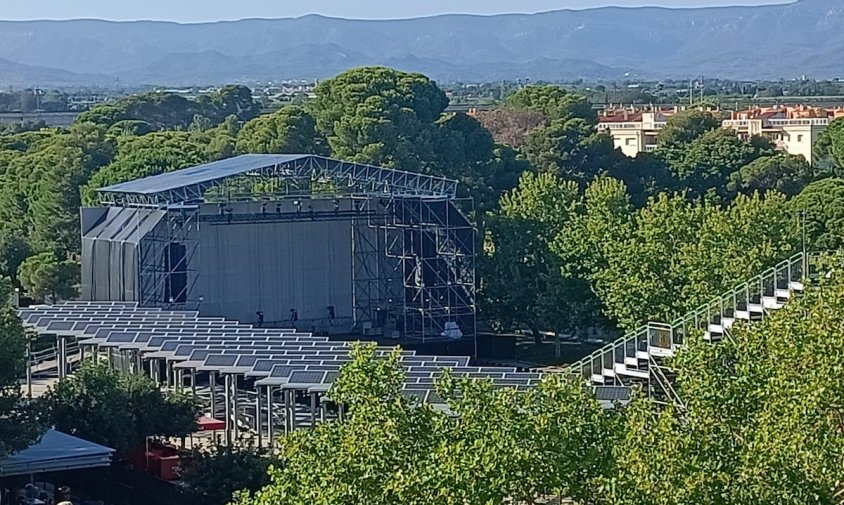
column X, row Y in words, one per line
column 749, row 300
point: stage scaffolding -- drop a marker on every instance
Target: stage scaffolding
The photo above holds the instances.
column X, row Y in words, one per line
column 166, row 259
column 414, row 268
column 413, row 252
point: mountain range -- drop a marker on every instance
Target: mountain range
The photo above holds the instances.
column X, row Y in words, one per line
column 762, row 42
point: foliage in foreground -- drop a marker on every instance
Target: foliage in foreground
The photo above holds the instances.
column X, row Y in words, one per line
column 493, row 444
column 216, row 473
column 764, row 420
column 116, row 410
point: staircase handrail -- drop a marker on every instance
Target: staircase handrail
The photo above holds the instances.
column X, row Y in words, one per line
column 580, row 364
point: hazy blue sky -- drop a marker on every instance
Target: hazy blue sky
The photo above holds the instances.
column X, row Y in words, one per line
column 213, row 10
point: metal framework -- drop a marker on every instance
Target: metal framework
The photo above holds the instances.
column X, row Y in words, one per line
column 413, row 251
column 272, row 177
column 165, row 258
column 414, row 267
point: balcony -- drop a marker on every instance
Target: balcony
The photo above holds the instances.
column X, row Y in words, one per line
column 817, row 121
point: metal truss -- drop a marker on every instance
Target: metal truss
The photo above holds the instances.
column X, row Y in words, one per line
column 307, row 175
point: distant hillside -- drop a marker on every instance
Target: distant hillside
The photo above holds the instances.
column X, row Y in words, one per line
column 805, row 37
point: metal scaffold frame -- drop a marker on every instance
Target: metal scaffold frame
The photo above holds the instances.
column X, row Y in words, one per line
column 414, row 268
column 157, row 269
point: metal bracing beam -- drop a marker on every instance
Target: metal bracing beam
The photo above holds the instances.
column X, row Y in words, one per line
column 303, row 174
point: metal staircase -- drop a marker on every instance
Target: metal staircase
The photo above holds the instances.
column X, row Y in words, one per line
column 639, row 358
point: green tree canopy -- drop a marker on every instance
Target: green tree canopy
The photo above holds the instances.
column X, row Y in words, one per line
column 553, row 102
column 291, row 130
column 380, row 116
column 763, row 420
column 117, row 410
column 18, row 425
column 673, row 255
column 166, row 111
column 823, row 203
column 523, row 280
column 217, row 473
column 572, row 149
column 829, row 147
column 785, row 173
column 46, row 278
column 685, row 127
column 494, row 445
column 704, row 166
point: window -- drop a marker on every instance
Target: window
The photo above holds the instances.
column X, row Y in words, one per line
column 800, row 138
column 628, row 142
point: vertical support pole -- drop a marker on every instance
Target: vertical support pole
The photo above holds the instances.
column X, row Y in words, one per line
column 138, row 361
column 270, row 427
column 287, row 416
column 155, row 367
column 341, row 411
column 62, row 364
column 110, row 358
column 180, row 379
column 258, row 420
column 29, row 368
column 212, row 382
column 227, row 401
column 313, row 409
column 193, row 382
column 234, row 406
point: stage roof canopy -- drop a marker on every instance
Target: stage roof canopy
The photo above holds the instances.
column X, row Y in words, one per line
column 290, row 172
column 202, row 173
column 56, row 452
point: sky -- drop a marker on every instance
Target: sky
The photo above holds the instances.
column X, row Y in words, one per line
column 216, row 10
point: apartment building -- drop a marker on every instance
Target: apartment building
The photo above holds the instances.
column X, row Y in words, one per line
column 634, row 131
column 793, row 130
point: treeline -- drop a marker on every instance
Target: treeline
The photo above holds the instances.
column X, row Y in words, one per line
column 574, row 233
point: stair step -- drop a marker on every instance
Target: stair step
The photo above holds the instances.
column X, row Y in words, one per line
column 631, row 361
column 796, row 286
column 660, row 352
column 716, row 328
column 713, row 337
column 620, row 369
column 743, row 314
column 783, row 293
column 727, row 322
column 609, row 372
column 597, row 378
column 755, row 307
column 771, row 302
column 643, row 355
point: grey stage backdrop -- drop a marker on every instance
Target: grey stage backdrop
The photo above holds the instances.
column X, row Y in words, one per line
column 275, row 267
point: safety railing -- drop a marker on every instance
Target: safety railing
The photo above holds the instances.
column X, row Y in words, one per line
column 750, row 300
